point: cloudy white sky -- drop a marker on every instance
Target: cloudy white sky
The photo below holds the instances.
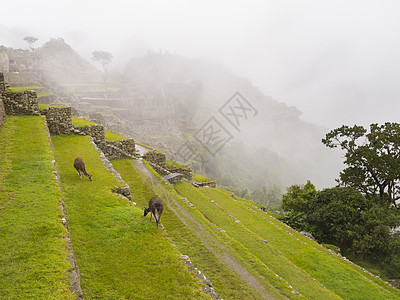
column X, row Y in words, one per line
column 337, row 61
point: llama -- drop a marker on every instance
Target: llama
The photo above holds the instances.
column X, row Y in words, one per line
column 80, row 167
column 155, row 208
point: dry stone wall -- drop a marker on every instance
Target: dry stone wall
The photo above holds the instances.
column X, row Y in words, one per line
column 97, row 132
column 24, row 103
column 156, row 158
column 186, row 172
column 59, row 120
column 118, row 149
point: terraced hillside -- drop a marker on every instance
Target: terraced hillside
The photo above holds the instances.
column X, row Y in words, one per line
column 245, row 253
column 269, row 259
column 119, row 253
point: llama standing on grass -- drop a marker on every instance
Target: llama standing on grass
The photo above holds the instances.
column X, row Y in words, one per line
column 155, row 208
column 80, row 167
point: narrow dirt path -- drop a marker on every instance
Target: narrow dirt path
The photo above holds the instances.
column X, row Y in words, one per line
column 198, row 230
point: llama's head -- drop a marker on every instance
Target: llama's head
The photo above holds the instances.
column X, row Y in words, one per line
column 146, row 211
column 90, row 177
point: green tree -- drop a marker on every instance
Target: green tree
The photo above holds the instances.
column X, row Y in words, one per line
column 372, row 159
column 337, row 214
column 104, row 58
column 344, row 217
column 298, row 197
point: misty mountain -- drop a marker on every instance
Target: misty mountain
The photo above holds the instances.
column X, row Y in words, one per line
column 275, row 143
column 59, row 62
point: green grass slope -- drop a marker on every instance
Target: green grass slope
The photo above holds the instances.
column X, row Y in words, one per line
column 275, row 254
column 120, row 253
column 185, row 235
column 286, row 252
column 33, row 253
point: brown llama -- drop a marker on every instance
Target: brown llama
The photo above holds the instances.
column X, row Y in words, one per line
column 155, row 208
column 80, row 167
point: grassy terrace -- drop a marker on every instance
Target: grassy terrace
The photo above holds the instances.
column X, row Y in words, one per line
column 19, row 89
column 82, row 122
column 200, row 178
column 33, row 254
column 113, row 136
column 286, row 252
column 120, row 253
column 226, row 282
column 287, row 260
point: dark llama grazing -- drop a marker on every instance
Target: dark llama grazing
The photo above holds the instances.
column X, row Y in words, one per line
column 80, row 167
column 155, row 208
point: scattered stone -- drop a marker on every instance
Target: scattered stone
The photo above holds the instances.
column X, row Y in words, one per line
column 200, row 276
column 395, row 283
column 207, row 282
column 189, row 263
column 308, row 235
column 295, row 292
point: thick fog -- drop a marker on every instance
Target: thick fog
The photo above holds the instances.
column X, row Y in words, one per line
column 336, row 61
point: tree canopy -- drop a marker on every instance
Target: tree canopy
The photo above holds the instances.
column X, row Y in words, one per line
column 298, row 197
column 103, row 57
column 30, row 40
column 372, row 159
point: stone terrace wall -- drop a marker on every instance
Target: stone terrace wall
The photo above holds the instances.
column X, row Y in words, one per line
column 24, row 103
column 2, row 113
column 156, row 158
column 97, row 132
column 186, row 172
column 59, row 120
column 118, row 149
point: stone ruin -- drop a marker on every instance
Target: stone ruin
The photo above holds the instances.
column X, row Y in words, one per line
column 158, row 161
column 59, row 120
column 24, row 103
